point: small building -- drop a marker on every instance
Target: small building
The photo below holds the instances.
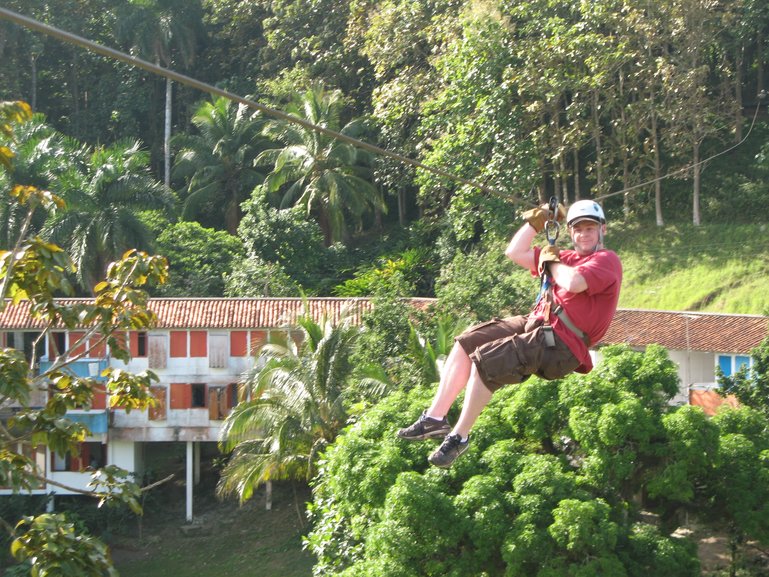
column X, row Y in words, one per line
column 200, row 347
column 697, row 342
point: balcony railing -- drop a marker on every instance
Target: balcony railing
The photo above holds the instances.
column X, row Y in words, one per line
column 84, row 368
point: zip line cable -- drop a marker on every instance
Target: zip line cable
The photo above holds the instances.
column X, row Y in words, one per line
column 91, row 46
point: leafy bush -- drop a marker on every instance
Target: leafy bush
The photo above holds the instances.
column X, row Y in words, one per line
column 484, row 284
column 285, row 237
column 199, row 258
column 549, row 486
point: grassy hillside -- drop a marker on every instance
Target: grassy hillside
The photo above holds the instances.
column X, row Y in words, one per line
column 714, row 268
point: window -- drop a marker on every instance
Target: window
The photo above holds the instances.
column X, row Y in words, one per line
column 141, row 344
column 157, row 412
column 238, row 343
column 217, row 351
column 138, row 343
column 198, row 399
column 220, row 401
column 188, row 396
column 92, row 455
column 730, row 364
column 198, row 345
column 178, row 344
column 157, row 347
column 58, row 344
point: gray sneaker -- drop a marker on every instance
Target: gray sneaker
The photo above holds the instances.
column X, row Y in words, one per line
column 425, row 428
column 450, row 449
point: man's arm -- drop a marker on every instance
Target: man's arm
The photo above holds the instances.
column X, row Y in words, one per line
column 567, row 277
column 519, row 250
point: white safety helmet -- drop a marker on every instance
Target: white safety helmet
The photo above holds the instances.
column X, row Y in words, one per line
column 585, row 209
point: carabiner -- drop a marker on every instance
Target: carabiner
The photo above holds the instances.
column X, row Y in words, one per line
column 552, row 226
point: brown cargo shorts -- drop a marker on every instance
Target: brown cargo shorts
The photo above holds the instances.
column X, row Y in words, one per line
column 508, row 351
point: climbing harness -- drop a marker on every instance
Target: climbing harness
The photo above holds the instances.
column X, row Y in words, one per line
column 552, row 230
column 550, row 308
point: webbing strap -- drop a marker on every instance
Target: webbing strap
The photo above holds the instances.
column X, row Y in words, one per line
column 561, row 314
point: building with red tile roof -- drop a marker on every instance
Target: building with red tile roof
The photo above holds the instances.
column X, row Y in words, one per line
column 200, row 347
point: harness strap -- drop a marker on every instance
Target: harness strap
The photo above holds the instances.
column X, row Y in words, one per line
column 561, row 314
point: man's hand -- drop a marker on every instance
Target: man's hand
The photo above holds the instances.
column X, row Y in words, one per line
column 537, row 217
column 549, row 253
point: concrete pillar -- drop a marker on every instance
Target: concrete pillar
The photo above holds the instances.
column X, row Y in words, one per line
column 189, row 480
column 197, row 463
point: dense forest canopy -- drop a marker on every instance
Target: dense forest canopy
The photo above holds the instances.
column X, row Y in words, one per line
column 642, row 105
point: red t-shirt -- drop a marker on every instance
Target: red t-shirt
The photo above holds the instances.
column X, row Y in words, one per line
column 590, row 310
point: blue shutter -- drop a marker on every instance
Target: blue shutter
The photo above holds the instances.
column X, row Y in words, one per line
column 725, row 364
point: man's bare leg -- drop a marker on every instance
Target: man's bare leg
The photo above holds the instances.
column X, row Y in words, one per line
column 454, row 378
column 477, row 397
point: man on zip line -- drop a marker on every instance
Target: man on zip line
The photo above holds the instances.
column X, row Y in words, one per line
column 580, row 290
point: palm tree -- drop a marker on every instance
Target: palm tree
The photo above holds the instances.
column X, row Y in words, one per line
column 103, row 198
column 40, row 155
column 323, row 175
column 166, row 31
column 429, row 356
column 297, row 402
column 218, row 163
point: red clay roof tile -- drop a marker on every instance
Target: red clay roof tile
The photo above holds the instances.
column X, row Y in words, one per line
column 695, row 331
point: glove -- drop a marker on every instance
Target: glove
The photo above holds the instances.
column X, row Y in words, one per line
column 549, row 253
column 537, row 217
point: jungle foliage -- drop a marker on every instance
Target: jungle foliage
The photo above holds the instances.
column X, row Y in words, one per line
column 531, row 99
column 588, row 475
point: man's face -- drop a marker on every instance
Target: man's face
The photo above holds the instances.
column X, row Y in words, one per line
column 586, row 235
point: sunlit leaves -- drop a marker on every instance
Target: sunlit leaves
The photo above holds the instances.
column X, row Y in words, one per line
column 11, row 113
column 553, row 484
column 36, row 272
column 55, row 547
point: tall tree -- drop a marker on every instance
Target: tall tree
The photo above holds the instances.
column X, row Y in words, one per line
column 325, row 176
column 695, row 111
column 101, row 221
column 166, row 31
column 41, row 154
column 217, row 164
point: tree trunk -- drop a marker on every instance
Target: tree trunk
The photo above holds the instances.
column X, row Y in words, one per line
column 576, row 175
column 325, row 226
column 624, row 148
column 760, row 62
column 696, row 185
column 75, row 94
column 33, row 88
column 564, row 180
column 401, row 206
column 167, row 137
column 657, row 172
column 738, row 62
column 598, row 147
